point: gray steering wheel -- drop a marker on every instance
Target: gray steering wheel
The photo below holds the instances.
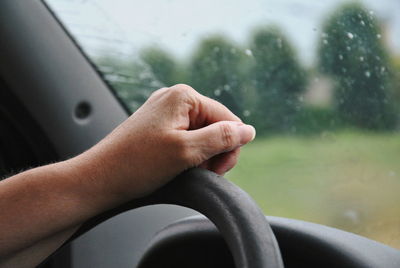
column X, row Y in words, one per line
column 239, row 220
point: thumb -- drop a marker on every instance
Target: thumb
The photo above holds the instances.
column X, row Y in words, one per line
column 220, row 137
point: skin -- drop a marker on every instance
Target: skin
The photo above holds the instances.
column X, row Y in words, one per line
column 176, row 129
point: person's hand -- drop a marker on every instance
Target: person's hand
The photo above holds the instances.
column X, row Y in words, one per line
column 176, row 129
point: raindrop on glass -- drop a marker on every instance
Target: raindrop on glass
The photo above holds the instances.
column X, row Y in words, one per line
column 227, row 87
column 352, row 215
column 350, row 35
column 248, row 52
column 367, row 74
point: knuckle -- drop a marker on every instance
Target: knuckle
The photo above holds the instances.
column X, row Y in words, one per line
column 183, row 87
column 181, row 93
column 227, row 135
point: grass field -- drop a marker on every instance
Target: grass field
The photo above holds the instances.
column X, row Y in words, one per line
column 349, row 180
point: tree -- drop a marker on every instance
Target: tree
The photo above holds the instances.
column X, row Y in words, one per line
column 163, row 65
column 396, row 83
column 214, row 70
column 351, row 51
column 278, row 80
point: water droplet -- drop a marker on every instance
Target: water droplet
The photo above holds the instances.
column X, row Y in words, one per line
column 325, row 42
column 340, row 57
column 361, row 58
column 367, row 74
column 378, row 36
column 227, row 87
column 371, row 12
column 217, row 92
column 248, row 52
column 324, row 35
column 350, row 35
column 383, row 69
column 348, row 48
column 362, row 23
column 246, row 113
column 352, row 215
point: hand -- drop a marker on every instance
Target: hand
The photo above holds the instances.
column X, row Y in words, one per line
column 176, row 129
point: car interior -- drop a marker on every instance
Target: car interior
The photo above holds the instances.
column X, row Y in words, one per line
column 57, row 100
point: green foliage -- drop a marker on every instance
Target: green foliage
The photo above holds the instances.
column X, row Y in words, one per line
column 162, row 64
column 396, row 83
column 214, row 70
column 316, row 120
column 351, row 51
column 278, row 80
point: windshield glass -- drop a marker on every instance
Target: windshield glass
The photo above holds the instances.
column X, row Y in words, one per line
column 320, row 81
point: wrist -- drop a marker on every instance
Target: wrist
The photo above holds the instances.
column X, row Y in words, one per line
column 96, row 187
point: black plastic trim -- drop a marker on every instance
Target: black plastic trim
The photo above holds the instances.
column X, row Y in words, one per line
column 302, row 245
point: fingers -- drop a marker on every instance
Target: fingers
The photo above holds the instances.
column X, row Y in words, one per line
column 222, row 163
column 204, row 110
column 220, row 137
column 213, row 111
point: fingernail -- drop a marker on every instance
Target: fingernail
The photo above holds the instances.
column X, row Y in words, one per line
column 247, row 133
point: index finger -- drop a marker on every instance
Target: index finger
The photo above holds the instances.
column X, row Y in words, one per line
column 210, row 111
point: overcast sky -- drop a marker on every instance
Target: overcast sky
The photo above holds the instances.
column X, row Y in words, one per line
column 125, row 26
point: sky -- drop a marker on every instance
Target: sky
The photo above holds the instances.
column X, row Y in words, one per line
column 123, row 27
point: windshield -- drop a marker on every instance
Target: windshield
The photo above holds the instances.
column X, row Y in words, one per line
column 320, row 81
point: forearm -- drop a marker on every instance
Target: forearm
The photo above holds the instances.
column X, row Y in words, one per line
column 35, row 254
column 42, row 202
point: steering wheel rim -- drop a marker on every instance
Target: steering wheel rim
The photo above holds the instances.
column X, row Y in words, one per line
column 235, row 214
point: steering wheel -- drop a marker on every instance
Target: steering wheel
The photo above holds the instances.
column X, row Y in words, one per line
column 239, row 220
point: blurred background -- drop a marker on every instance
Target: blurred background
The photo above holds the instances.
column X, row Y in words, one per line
column 320, row 81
